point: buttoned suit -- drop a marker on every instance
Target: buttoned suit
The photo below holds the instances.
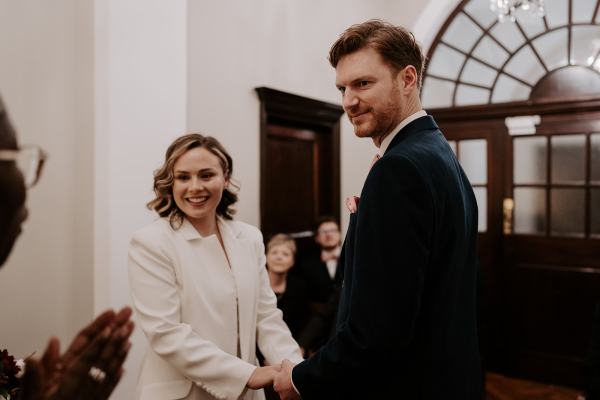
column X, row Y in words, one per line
column 190, row 303
column 406, row 324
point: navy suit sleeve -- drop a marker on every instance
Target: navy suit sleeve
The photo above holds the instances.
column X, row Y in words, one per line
column 388, row 256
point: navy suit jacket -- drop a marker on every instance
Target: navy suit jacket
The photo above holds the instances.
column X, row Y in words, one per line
column 406, row 323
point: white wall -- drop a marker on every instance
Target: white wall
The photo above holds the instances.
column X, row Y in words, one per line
column 140, row 81
column 45, row 80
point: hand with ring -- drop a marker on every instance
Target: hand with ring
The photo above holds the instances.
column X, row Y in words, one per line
column 89, row 369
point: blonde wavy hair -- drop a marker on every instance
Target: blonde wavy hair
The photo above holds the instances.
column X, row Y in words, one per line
column 282, row 238
column 164, row 204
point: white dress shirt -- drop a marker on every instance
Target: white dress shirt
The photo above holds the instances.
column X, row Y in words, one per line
column 385, row 143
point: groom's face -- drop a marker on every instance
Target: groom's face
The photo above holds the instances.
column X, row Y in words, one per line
column 12, row 191
column 371, row 92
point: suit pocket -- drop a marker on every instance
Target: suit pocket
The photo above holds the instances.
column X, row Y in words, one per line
column 171, row 390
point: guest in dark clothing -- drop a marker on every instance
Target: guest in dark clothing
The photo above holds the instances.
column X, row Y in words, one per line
column 291, row 291
column 91, row 367
column 320, row 269
column 323, row 275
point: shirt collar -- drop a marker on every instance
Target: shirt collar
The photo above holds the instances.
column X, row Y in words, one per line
column 388, row 139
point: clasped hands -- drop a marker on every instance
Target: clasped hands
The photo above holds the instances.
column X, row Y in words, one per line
column 280, row 376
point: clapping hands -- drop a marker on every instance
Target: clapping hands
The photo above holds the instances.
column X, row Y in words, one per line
column 89, row 369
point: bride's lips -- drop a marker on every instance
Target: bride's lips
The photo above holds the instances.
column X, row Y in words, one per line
column 196, row 201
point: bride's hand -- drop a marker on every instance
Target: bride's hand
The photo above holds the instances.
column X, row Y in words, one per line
column 263, row 376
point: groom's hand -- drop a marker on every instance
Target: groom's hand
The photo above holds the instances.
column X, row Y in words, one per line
column 283, row 382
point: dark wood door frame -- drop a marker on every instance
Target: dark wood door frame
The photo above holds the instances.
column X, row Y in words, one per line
column 286, row 109
column 557, row 117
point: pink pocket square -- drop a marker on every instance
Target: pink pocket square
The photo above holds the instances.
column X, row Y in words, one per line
column 352, row 203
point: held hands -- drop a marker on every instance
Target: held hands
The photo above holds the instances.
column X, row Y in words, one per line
column 89, row 369
column 283, row 382
column 262, row 377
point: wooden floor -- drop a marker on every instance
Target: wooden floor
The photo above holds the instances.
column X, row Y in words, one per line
column 499, row 387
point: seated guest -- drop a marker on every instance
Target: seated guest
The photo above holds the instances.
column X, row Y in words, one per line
column 323, row 275
column 320, row 268
column 92, row 365
column 291, row 291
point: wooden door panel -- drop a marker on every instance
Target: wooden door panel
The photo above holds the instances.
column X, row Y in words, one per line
column 291, row 184
column 300, row 163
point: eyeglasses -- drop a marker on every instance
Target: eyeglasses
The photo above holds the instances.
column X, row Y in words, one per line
column 30, row 160
column 326, row 231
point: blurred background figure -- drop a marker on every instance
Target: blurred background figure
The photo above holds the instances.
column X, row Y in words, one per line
column 92, row 365
column 323, row 276
column 290, row 289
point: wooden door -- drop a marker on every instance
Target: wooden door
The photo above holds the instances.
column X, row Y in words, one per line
column 300, row 164
column 479, row 147
column 540, row 258
column 552, row 250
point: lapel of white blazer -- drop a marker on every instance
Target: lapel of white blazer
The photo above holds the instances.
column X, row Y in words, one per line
column 245, row 271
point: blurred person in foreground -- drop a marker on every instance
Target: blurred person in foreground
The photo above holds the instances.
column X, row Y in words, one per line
column 200, row 286
column 406, row 325
column 92, row 365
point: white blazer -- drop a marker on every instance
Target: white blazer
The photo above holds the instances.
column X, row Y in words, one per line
column 184, row 295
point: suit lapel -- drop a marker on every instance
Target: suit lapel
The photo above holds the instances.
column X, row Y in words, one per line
column 239, row 253
column 420, row 124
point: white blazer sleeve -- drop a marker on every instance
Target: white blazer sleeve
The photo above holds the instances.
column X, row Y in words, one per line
column 273, row 335
column 156, row 300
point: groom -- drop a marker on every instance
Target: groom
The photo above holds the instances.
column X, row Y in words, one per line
column 407, row 317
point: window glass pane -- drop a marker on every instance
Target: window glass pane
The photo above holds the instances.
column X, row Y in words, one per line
column 480, row 10
column 508, row 89
column 462, row 33
column 473, row 158
column 584, row 44
column 437, row 93
column 509, row 35
column 445, row 62
column 481, row 197
column 529, row 160
column 568, row 211
column 526, row 66
column 476, row 72
column 531, row 23
column 552, row 48
column 583, row 10
column 595, row 157
column 452, row 144
column 568, row 158
column 490, row 52
column 595, row 215
column 530, row 211
column 466, row 95
column 557, row 12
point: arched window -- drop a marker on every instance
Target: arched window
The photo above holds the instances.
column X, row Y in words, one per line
column 477, row 60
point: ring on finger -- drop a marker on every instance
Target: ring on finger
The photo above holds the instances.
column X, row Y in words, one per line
column 97, row 374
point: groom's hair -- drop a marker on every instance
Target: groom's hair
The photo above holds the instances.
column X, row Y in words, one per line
column 396, row 45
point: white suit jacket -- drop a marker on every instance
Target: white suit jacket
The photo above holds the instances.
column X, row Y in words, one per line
column 184, row 294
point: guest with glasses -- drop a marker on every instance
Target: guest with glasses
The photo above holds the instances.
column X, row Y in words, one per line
column 92, row 365
column 323, row 275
